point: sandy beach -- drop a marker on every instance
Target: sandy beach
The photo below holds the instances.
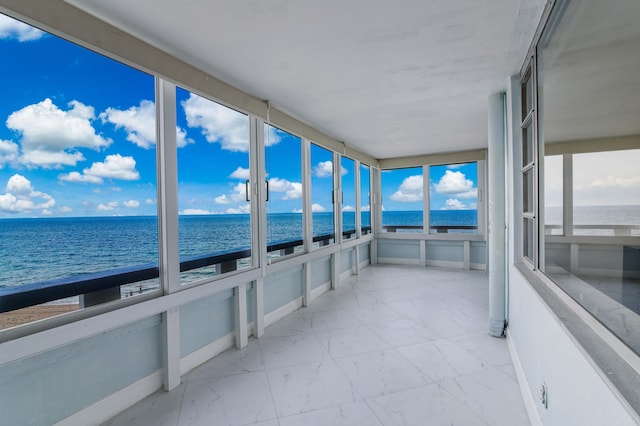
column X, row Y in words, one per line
column 33, row 313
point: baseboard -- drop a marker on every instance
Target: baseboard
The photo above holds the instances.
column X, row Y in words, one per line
column 282, row 311
column 398, row 261
column 320, row 290
column 523, row 383
column 346, row 274
column 365, row 263
column 115, row 403
column 205, row 353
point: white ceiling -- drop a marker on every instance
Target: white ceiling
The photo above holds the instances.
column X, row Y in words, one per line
column 389, row 78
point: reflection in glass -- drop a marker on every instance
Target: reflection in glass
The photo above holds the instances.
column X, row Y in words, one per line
column 590, row 87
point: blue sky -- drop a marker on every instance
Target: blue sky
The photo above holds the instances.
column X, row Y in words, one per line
column 77, row 138
column 452, row 187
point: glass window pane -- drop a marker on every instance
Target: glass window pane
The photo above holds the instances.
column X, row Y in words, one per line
column 453, row 198
column 77, row 172
column 553, row 195
column 528, row 235
column 527, row 191
column 527, row 95
column 606, row 193
column 402, row 200
column 527, row 145
column 322, row 196
column 213, row 186
column 347, row 173
column 365, row 199
column 284, row 187
column 600, row 268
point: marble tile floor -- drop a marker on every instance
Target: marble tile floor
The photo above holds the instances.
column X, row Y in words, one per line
column 395, row 345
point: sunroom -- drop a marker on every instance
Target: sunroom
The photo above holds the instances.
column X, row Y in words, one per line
column 320, row 213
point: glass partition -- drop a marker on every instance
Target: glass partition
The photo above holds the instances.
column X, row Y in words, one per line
column 453, row 198
column 322, row 203
column 588, row 94
column 402, row 200
column 365, row 199
column 77, row 178
column 283, row 161
column 213, row 188
column 347, row 173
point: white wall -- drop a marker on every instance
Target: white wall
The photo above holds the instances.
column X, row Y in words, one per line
column 547, row 353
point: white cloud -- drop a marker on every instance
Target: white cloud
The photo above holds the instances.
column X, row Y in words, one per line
column 222, row 199
column 292, row 190
column 12, row 29
column 140, row 124
column 243, row 209
column 46, row 212
column 218, row 123
column 348, row 209
column 8, row 152
column 455, row 204
column 325, row 169
column 240, row 173
column 195, row 211
column 65, row 209
column 50, row 135
column 410, row 190
column 114, row 167
column 132, row 204
column 78, row 177
column 236, row 195
column 20, row 197
column 108, row 206
column 365, row 208
column 455, row 184
column 317, row 208
column 150, row 201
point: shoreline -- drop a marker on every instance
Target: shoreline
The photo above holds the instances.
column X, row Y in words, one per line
column 34, row 313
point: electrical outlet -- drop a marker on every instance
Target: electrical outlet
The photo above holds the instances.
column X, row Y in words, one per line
column 544, row 395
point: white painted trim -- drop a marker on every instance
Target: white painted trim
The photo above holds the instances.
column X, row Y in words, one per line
column 364, row 263
column 478, row 266
column 525, row 390
column 52, row 338
column 445, row 264
column 282, row 311
column 345, row 275
column 398, row 261
column 320, row 290
column 101, row 411
column 205, row 353
column 240, row 299
column 171, row 349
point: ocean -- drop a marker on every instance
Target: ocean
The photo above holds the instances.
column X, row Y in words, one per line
column 36, row 250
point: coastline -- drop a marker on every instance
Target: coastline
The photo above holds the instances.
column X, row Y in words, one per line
column 33, row 313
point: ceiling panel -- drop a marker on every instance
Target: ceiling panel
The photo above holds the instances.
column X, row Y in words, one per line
column 389, row 78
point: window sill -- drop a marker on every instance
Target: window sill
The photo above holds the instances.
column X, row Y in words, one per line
column 617, row 363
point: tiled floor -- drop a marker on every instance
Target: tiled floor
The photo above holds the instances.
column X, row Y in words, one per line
column 395, row 345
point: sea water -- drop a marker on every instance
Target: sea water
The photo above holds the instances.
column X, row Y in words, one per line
column 36, row 250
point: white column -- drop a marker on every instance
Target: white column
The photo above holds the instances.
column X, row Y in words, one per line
column 167, row 164
column 496, row 247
